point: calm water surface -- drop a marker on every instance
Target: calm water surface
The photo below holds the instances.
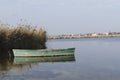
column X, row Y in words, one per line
column 95, row 59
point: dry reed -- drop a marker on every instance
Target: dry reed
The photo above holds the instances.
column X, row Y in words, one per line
column 21, row 37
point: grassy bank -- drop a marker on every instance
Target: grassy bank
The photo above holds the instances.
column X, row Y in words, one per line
column 21, row 37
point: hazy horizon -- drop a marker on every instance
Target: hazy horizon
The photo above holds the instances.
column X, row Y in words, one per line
column 64, row 16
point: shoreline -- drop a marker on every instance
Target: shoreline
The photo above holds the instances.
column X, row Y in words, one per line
column 88, row 35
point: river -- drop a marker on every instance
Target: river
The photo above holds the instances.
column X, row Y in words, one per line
column 95, row 59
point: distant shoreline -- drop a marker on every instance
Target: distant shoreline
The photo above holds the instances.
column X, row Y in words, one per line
column 88, row 35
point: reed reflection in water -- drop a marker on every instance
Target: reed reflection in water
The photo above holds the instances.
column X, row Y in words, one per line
column 5, row 64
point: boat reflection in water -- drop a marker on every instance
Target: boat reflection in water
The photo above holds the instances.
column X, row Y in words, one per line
column 29, row 60
column 20, row 62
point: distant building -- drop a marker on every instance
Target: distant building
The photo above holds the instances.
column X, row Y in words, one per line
column 106, row 33
column 94, row 34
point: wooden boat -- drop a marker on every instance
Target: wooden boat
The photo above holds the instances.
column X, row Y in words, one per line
column 43, row 52
column 29, row 60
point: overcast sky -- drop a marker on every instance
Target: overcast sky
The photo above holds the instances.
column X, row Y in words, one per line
column 64, row 16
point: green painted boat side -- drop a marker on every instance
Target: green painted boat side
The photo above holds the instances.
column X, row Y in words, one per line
column 43, row 52
column 29, row 60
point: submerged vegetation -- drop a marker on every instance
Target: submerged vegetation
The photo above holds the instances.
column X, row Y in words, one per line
column 21, row 37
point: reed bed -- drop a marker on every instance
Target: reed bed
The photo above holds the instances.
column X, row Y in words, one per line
column 21, row 37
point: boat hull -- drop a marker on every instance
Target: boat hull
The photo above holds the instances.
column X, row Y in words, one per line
column 43, row 52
